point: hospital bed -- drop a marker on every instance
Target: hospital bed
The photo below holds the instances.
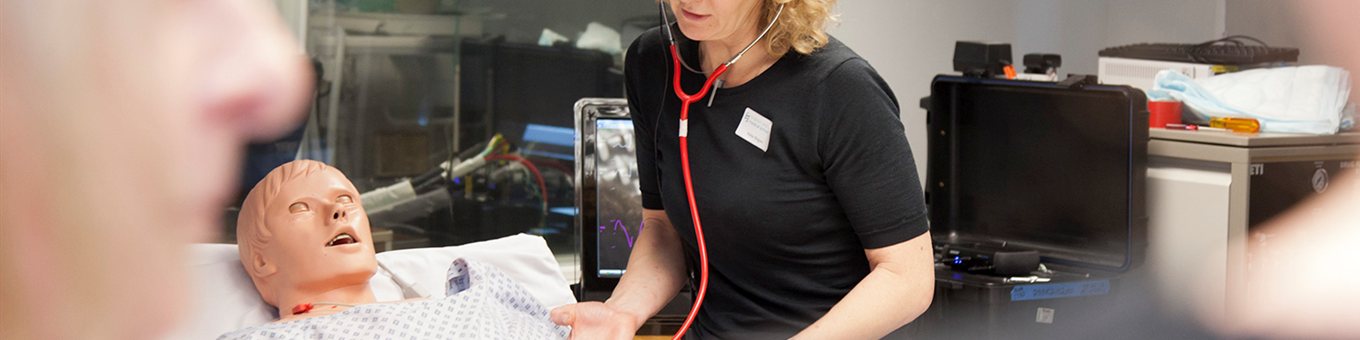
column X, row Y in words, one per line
column 223, row 299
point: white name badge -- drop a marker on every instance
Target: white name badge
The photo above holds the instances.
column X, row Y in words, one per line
column 755, row 129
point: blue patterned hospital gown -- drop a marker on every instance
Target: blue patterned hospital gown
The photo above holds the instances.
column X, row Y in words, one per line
column 482, row 303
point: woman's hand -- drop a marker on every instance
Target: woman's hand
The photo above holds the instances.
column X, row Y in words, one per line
column 656, row 271
column 596, row 320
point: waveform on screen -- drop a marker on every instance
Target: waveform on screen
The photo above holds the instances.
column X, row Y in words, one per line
column 629, row 234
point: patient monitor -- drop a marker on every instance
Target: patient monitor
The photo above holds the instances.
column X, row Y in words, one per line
column 304, row 240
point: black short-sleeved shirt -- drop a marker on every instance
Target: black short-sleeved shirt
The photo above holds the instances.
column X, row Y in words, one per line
column 786, row 227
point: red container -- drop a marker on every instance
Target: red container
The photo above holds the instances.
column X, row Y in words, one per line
column 1161, row 113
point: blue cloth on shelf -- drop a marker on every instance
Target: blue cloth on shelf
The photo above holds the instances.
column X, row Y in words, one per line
column 1300, row 99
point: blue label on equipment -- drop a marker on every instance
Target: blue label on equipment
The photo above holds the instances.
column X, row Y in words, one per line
column 1045, row 291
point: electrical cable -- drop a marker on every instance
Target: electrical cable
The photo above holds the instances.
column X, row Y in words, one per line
column 1197, row 52
column 1240, row 37
column 538, row 176
column 429, row 184
column 474, row 150
column 549, row 163
column 422, row 178
column 430, row 177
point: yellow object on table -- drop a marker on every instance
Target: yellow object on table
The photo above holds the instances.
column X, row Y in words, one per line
column 1248, row 125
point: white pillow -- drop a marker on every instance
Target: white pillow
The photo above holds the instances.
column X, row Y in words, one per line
column 225, row 300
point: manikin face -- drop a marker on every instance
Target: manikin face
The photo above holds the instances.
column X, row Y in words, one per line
column 320, row 235
column 707, row 20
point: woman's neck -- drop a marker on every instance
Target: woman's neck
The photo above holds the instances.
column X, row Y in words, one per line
column 325, row 302
column 714, row 53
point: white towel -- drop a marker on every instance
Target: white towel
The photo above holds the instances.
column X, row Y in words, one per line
column 1302, row 99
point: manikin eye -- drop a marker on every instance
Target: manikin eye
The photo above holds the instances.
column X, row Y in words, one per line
column 344, row 199
column 299, row 207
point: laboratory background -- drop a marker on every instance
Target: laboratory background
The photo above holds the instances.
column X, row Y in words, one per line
column 1162, row 135
column 405, row 87
column 408, row 87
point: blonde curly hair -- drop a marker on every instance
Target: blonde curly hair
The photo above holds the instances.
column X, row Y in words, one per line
column 801, row 28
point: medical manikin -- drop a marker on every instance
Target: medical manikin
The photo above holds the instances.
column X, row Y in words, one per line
column 305, row 242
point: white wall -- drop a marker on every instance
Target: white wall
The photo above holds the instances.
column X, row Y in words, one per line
column 1330, row 36
column 1174, row 21
column 1074, row 29
column 911, row 41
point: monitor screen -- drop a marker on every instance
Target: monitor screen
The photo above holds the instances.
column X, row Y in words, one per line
column 618, row 218
column 1038, row 167
column 609, row 201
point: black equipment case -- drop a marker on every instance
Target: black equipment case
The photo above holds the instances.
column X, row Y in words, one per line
column 1025, row 167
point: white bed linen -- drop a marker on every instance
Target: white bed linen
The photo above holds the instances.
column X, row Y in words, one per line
column 223, row 298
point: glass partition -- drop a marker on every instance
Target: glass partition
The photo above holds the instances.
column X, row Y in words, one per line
column 455, row 117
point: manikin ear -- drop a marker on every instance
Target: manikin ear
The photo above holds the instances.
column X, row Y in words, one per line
column 260, row 271
column 260, row 267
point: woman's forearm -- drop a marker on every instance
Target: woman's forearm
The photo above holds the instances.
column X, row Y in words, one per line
column 897, row 290
column 656, row 269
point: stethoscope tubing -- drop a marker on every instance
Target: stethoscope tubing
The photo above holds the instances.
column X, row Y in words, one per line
column 686, row 100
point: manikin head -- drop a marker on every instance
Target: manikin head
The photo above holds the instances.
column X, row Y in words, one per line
column 304, row 237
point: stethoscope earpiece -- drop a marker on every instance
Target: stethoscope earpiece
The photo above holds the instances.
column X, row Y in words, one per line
column 670, row 35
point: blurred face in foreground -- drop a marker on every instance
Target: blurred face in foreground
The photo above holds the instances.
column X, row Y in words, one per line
column 121, row 124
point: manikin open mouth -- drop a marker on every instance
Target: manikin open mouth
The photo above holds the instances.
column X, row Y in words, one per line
column 342, row 239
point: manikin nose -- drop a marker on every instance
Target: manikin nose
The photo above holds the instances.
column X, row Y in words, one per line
column 340, row 214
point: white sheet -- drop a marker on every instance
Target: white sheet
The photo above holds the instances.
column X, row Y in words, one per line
column 225, row 300
column 481, row 303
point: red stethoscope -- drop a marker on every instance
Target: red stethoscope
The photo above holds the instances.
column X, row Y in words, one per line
column 685, row 101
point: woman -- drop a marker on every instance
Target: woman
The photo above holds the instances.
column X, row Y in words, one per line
column 814, row 220
column 121, row 124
